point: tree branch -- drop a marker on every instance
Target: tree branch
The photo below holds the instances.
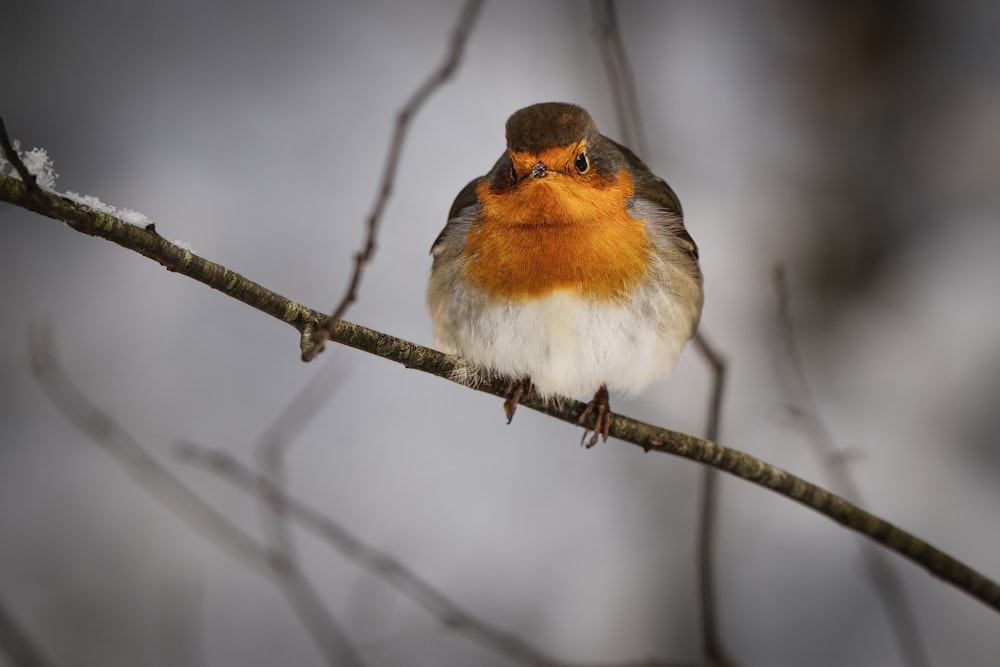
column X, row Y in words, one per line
column 147, row 242
column 649, row 437
column 411, row 355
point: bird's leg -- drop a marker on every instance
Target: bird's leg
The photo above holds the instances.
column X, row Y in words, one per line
column 515, row 389
column 602, row 419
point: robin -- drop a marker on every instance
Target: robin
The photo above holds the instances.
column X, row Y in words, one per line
column 566, row 269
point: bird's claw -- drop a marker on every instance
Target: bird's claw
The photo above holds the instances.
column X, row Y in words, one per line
column 515, row 390
column 602, row 418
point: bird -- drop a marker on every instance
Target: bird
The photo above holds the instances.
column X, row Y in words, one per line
column 566, row 269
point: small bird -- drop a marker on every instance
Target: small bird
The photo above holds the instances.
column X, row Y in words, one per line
column 566, row 269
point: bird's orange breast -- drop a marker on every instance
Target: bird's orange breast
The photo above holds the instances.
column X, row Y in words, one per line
column 564, row 231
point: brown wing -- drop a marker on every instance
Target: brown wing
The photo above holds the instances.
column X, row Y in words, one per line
column 662, row 196
column 465, row 199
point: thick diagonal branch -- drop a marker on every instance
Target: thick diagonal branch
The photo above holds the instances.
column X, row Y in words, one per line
column 647, row 436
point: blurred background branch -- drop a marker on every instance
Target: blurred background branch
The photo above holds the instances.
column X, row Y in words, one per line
column 300, row 592
column 381, row 565
column 283, row 565
column 168, row 489
column 626, row 97
column 884, row 580
column 145, row 471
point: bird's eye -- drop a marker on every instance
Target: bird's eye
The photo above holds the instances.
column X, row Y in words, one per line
column 582, row 164
column 513, row 172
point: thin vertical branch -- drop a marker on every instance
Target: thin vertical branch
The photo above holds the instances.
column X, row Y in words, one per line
column 884, row 579
column 708, row 505
column 459, row 37
column 620, row 76
column 626, row 98
column 299, row 592
column 275, row 442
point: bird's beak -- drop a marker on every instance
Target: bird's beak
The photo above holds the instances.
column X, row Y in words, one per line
column 539, row 170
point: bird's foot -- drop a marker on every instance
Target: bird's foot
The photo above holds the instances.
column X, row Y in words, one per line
column 601, row 408
column 515, row 390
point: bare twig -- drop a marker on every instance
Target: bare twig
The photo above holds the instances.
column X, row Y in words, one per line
column 885, row 581
column 299, row 592
column 88, row 221
column 18, row 647
column 326, row 633
column 620, row 76
column 630, row 127
column 10, row 153
column 707, row 509
column 459, row 37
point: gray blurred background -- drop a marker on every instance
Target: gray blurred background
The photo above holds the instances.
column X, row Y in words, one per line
column 857, row 144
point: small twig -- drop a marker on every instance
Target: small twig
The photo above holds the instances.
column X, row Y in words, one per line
column 17, row 646
column 900, row 613
column 10, row 153
column 626, row 98
column 459, row 37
